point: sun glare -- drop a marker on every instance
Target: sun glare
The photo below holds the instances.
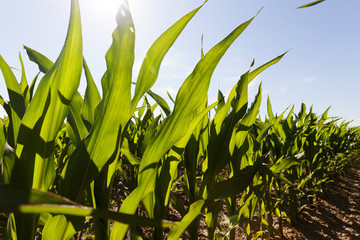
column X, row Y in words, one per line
column 104, row 7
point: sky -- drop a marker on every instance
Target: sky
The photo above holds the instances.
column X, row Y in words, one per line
column 321, row 69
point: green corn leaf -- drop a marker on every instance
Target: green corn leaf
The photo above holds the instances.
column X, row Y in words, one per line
column 289, row 121
column 14, row 196
column 202, row 46
column 248, row 120
column 192, row 160
column 311, row 4
column 169, row 168
column 133, row 160
column 211, row 212
column 102, row 194
column 303, row 182
column 162, row 103
column 6, row 106
column 21, row 199
column 277, row 125
column 302, row 113
column 7, row 165
column 75, row 126
column 240, row 102
column 223, row 112
column 17, row 101
column 43, row 62
column 92, row 96
column 260, row 69
column 150, row 133
column 141, row 109
column 194, row 212
column 32, row 86
column 152, row 199
column 234, row 185
column 269, row 110
column 264, row 132
column 221, row 100
column 177, row 203
column 221, row 135
column 171, row 98
column 83, row 211
column 266, row 171
column 189, row 98
column 150, row 67
column 24, row 87
column 15, row 95
column 55, row 228
column 280, row 130
column 112, row 114
column 2, row 149
column 91, row 100
column 247, row 209
column 2, row 139
column 288, row 118
column 324, row 117
column 283, row 164
column 194, row 123
column 237, row 99
column 48, row 110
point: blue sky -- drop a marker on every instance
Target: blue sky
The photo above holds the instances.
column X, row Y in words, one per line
column 321, row 69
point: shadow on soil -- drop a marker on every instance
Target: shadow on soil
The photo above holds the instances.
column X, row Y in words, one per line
column 338, row 213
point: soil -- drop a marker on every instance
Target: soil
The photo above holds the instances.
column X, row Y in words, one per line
column 337, row 215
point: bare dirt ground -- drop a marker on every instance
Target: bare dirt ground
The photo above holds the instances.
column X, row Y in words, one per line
column 337, row 215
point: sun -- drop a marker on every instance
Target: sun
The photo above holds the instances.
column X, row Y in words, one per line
column 103, row 7
column 110, row 4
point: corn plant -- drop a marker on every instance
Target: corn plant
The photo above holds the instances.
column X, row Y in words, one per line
column 297, row 166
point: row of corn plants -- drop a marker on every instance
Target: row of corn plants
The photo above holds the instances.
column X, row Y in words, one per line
column 303, row 153
column 66, row 158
